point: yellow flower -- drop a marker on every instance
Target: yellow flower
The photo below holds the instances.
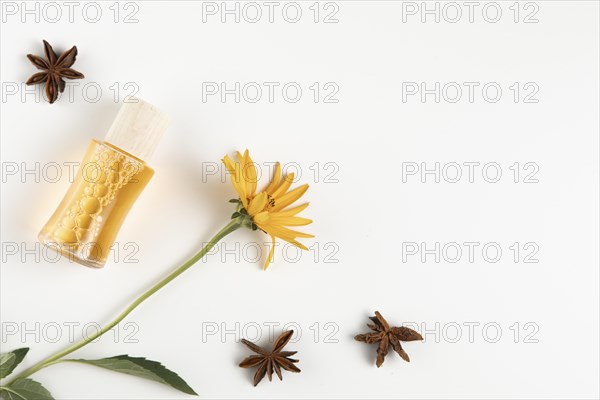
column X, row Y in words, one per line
column 267, row 209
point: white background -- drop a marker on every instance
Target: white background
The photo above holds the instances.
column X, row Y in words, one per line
column 364, row 218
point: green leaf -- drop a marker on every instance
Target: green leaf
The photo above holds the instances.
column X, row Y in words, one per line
column 10, row 360
column 26, row 389
column 142, row 368
column 234, row 200
column 6, row 362
column 235, row 215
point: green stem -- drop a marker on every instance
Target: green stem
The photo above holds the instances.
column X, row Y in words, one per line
column 230, row 227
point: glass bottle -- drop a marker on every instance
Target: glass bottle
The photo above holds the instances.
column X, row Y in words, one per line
column 110, row 178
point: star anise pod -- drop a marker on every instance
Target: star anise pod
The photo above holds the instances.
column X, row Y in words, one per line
column 269, row 361
column 386, row 336
column 55, row 69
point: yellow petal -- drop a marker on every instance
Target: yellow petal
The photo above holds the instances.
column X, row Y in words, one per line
column 290, row 211
column 283, row 232
column 258, row 204
column 248, row 172
column 287, row 239
column 230, row 165
column 288, row 198
column 261, row 217
column 285, row 185
column 275, row 181
column 271, row 252
column 298, row 244
column 289, row 221
column 241, row 159
column 238, row 184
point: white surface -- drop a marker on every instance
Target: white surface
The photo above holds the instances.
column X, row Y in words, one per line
column 367, row 214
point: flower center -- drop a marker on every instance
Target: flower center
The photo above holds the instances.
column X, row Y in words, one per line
column 270, row 202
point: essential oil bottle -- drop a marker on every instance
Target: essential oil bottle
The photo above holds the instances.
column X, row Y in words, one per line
column 110, row 178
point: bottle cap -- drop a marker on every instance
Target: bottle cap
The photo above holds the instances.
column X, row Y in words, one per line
column 138, row 128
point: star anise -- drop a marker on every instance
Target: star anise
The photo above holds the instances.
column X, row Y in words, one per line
column 55, row 69
column 386, row 336
column 269, row 361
